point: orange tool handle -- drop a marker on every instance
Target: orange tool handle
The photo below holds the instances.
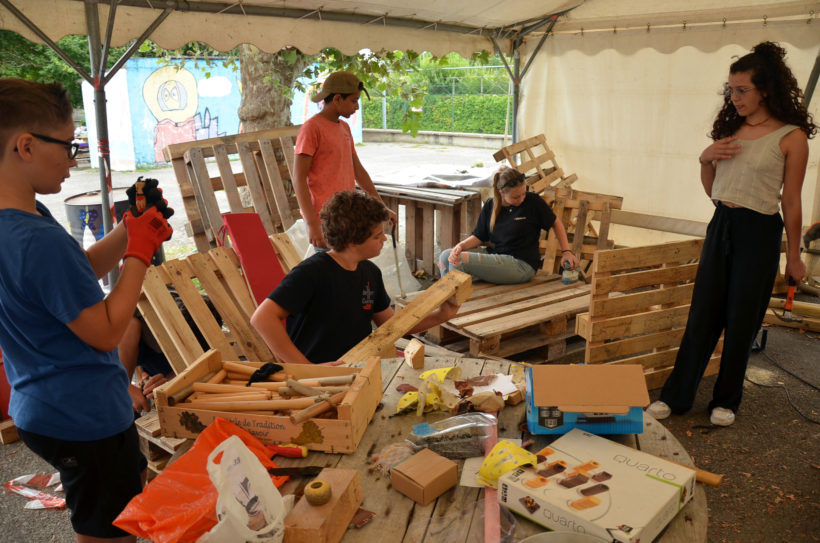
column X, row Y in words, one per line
column 290, row 451
column 790, row 295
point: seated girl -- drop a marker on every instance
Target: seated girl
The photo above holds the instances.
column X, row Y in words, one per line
column 510, row 226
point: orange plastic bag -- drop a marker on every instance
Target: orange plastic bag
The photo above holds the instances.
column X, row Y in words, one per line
column 179, row 505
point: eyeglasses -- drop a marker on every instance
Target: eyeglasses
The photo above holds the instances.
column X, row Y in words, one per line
column 514, row 182
column 71, row 147
column 741, row 91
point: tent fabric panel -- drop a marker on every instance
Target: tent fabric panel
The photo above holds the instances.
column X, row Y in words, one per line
column 630, row 113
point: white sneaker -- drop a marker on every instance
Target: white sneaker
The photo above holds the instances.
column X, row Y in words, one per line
column 659, row 410
column 722, row 417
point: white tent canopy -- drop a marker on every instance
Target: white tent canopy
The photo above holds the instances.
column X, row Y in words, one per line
column 625, row 90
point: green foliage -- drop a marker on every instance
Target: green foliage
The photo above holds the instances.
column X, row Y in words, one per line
column 476, row 114
column 26, row 60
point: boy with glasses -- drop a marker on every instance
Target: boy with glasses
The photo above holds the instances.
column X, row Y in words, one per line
column 58, row 330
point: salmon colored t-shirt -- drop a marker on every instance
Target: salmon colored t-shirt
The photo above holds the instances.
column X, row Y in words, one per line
column 331, row 146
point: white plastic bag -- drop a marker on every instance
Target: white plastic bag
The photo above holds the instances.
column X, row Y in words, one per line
column 249, row 506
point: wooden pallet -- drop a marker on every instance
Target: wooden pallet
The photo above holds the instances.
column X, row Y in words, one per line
column 575, row 210
column 433, row 217
column 217, row 274
column 639, row 307
column 158, row 450
column 266, row 158
column 501, row 320
column 535, row 159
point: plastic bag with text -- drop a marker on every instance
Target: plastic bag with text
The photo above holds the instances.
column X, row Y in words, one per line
column 179, row 504
column 249, row 507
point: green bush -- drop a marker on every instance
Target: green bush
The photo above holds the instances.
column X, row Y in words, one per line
column 472, row 113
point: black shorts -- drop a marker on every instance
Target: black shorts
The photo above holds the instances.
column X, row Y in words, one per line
column 100, row 477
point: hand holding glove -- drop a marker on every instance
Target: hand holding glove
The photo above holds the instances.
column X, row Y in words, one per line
column 146, row 233
column 146, row 193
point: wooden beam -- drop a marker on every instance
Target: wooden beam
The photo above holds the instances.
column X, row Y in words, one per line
column 455, row 283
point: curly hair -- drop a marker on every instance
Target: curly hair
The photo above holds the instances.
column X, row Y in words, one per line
column 773, row 78
column 349, row 216
column 503, row 180
column 27, row 105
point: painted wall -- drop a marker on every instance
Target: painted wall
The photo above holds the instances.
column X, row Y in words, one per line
column 151, row 106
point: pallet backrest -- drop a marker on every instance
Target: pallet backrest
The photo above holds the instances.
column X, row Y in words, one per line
column 216, row 273
column 266, row 158
column 535, row 159
column 639, row 306
column 575, row 210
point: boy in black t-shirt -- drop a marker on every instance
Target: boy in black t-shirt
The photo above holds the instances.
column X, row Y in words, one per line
column 330, row 300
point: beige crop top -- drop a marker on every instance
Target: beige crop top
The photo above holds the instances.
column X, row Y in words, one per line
column 753, row 178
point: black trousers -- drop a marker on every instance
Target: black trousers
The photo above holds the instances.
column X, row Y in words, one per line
column 736, row 273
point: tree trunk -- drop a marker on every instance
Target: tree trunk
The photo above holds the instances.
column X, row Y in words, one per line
column 264, row 105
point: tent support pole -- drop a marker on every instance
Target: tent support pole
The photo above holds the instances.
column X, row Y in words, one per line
column 92, row 20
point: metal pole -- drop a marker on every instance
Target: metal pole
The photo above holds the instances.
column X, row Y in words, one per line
column 516, row 92
column 384, row 112
column 92, row 19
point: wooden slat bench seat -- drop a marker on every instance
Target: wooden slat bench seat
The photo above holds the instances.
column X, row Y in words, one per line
column 639, row 307
column 501, row 320
column 432, row 217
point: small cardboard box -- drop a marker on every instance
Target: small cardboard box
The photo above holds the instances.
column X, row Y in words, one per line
column 600, row 399
column 333, row 435
column 424, row 476
column 589, row 484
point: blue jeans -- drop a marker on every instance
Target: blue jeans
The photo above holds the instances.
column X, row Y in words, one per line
column 493, row 268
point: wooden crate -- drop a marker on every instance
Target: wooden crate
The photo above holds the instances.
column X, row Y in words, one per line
column 433, row 217
column 267, row 169
column 337, row 435
column 501, row 320
column 639, row 307
column 534, row 158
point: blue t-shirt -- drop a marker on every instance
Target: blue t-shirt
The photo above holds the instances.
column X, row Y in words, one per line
column 517, row 228
column 61, row 387
column 331, row 308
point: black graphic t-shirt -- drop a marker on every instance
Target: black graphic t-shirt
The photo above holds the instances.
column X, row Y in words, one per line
column 331, row 308
column 517, row 228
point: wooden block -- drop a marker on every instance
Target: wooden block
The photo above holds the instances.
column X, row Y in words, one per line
column 326, row 523
column 8, row 432
column 414, row 354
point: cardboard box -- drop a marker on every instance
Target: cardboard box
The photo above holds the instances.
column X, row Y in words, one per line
column 600, row 399
column 337, row 435
column 424, row 476
column 589, row 484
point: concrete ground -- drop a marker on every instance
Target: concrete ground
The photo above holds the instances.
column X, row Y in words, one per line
column 771, row 488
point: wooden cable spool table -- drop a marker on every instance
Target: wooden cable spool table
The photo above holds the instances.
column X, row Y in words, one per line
column 456, row 516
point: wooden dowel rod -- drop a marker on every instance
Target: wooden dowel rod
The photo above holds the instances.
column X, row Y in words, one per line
column 317, row 409
column 243, row 369
column 234, row 397
column 278, row 385
column 288, row 391
column 259, row 405
column 302, row 388
column 219, row 377
column 216, row 388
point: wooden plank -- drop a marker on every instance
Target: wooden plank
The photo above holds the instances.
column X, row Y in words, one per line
column 661, row 224
column 644, row 257
column 428, row 222
column 639, row 323
column 287, row 142
column 227, row 178
column 205, row 199
column 807, row 323
column 8, row 432
column 285, row 250
column 247, row 339
column 629, row 346
column 159, row 332
column 178, row 149
column 505, row 296
column 260, row 204
column 454, row 283
column 275, row 182
column 525, row 318
column 210, row 329
column 676, row 295
column 630, row 281
column 224, row 260
column 171, row 318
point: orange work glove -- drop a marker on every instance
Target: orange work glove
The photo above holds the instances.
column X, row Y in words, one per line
column 145, row 234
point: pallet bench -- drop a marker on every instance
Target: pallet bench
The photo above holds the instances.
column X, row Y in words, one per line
column 433, row 217
column 501, row 320
column 639, row 307
column 534, row 158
